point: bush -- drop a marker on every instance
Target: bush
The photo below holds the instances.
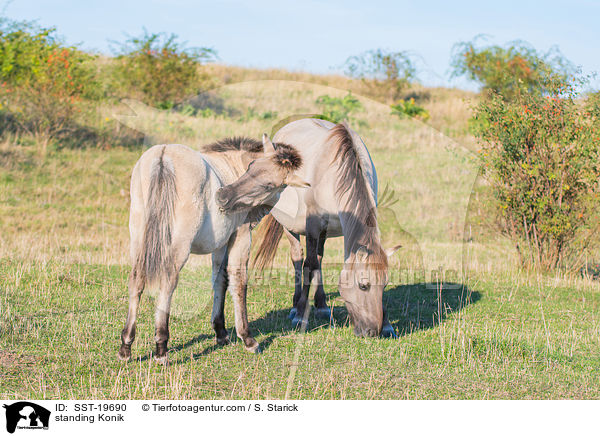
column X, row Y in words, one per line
column 43, row 82
column 409, row 108
column 253, row 114
column 337, row 109
column 386, row 74
column 190, row 111
column 158, row 70
column 511, row 69
column 540, row 155
column 593, row 106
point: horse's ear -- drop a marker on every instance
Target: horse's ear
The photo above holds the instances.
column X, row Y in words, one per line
column 268, row 146
column 390, row 251
column 294, row 180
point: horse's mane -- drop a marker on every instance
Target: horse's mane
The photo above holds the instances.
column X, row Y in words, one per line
column 285, row 155
column 358, row 201
column 234, row 143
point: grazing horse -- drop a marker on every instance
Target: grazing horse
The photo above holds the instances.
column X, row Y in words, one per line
column 174, row 212
column 341, row 201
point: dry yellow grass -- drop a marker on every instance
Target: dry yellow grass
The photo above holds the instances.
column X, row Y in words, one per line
column 430, row 173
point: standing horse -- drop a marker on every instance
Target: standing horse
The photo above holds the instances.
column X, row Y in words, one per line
column 174, row 212
column 341, row 201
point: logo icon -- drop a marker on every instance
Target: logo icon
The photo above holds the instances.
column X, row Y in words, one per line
column 26, row 415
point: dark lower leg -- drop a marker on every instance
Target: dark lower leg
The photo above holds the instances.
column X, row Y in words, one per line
column 320, row 300
column 218, row 324
column 162, row 336
column 219, row 287
column 297, row 281
column 301, row 306
column 136, row 287
column 163, row 309
column 310, row 267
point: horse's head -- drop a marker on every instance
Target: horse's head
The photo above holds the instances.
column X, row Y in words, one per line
column 266, row 177
column 361, row 284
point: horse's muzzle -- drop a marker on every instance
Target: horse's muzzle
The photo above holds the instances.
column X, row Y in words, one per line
column 221, row 197
column 368, row 332
column 227, row 201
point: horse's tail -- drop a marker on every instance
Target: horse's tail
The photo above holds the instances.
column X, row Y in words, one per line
column 155, row 257
column 271, row 232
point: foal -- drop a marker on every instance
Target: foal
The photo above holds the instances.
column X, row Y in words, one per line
column 174, row 213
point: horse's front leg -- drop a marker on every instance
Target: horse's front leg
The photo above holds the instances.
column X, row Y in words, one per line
column 311, row 270
column 321, row 309
column 219, row 279
column 297, row 256
column 237, row 272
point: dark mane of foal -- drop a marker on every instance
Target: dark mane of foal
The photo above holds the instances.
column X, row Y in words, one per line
column 235, row 143
column 285, row 155
column 352, row 185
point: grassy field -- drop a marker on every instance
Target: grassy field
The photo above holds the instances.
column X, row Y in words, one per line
column 486, row 330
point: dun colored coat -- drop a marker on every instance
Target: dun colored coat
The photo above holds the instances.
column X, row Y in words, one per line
column 174, row 212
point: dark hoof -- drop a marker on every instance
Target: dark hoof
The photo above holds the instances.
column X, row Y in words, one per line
column 123, row 358
column 223, row 341
column 388, row 332
column 124, row 353
column 292, row 314
column 323, row 312
column 253, row 348
column 299, row 323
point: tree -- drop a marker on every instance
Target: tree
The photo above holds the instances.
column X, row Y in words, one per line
column 157, row 69
column 386, row 73
column 43, row 82
column 508, row 70
column 540, row 154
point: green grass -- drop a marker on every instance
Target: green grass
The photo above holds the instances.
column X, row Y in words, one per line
column 501, row 333
column 61, row 325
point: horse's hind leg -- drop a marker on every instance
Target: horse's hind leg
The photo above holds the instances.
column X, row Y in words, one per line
column 136, row 286
column 321, row 309
column 297, row 255
column 137, row 276
column 168, row 283
column 237, row 272
column 161, row 316
column 219, row 271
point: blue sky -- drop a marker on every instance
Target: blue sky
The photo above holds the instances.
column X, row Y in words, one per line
column 318, row 36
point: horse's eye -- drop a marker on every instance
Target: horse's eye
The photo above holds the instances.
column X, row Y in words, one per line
column 364, row 286
column 269, row 186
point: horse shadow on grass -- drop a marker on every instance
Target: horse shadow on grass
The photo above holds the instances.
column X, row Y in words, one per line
column 423, row 306
column 188, row 344
column 410, row 308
